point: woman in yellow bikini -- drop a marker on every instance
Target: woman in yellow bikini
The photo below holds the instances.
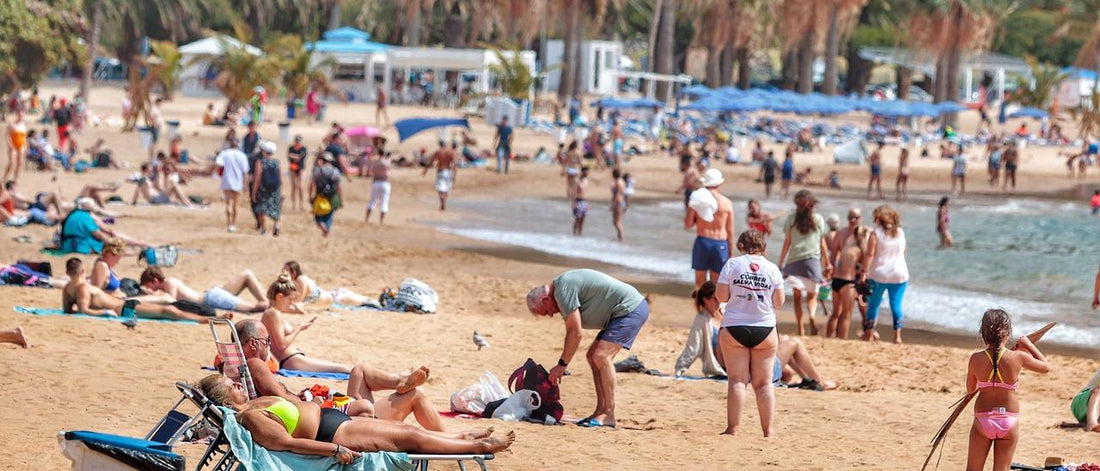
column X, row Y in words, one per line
column 17, row 146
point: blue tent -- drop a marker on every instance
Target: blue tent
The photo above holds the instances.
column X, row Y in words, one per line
column 346, row 40
column 1028, row 112
column 409, row 127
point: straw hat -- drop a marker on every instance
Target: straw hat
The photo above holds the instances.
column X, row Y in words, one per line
column 712, row 178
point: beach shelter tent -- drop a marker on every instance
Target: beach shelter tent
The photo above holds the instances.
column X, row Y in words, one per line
column 197, row 76
column 409, row 127
column 852, row 152
column 359, row 63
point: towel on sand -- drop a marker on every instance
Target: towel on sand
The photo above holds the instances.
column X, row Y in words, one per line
column 58, row 312
column 302, row 374
column 254, row 457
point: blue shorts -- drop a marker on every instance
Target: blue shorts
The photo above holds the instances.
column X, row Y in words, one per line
column 325, row 220
column 709, row 254
column 218, row 298
column 623, row 330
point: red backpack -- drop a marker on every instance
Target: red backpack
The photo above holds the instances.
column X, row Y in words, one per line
column 534, row 377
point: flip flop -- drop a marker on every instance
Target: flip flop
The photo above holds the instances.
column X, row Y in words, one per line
column 592, row 423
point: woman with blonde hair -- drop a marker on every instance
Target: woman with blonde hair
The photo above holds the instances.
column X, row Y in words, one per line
column 885, row 267
column 309, row 292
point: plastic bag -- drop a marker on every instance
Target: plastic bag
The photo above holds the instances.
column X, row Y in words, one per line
column 519, row 406
column 473, row 398
column 416, row 296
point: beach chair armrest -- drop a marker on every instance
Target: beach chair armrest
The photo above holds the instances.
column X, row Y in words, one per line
column 420, row 461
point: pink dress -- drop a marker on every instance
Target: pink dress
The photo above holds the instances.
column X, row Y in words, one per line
column 312, row 105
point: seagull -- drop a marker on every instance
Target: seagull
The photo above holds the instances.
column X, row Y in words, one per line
column 480, row 341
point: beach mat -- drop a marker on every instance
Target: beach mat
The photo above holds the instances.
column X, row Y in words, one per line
column 302, row 374
column 58, row 312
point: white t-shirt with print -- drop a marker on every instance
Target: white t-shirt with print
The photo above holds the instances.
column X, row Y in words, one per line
column 752, row 279
column 234, row 166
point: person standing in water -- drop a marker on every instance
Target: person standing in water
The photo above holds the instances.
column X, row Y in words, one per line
column 580, row 204
column 807, row 256
column 446, row 168
column 875, row 161
column 713, row 232
column 1011, row 158
column 943, row 224
column 767, row 173
column 901, row 187
column 618, row 202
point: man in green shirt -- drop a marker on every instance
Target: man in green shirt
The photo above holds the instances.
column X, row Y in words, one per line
column 588, row 299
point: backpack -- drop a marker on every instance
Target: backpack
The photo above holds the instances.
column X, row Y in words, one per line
column 532, row 376
column 163, row 256
column 269, row 178
column 326, row 185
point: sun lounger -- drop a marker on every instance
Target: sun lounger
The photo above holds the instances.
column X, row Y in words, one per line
column 234, row 365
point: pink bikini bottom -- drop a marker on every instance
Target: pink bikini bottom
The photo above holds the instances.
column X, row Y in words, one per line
column 996, row 424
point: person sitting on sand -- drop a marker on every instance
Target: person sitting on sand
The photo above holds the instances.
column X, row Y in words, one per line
column 363, row 381
column 791, row 359
column 16, row 336
column 308, row 292
column 282, row 424
column 224, row 297
column 82, row 232
column 80, row 297
column 146, row 188
column 101, row 155
column 702, row 341
column 994, row 374
column 1085, row 406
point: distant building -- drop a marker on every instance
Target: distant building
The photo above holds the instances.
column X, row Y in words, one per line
column 599, row 62
column 359, row 63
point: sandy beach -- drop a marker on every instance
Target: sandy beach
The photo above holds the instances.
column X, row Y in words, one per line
column 85, row 374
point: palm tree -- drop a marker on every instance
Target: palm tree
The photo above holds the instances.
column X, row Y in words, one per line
column 515, row 78
column 1088, row 116
column 241, row 70
column 841, row 16
column 299, row 71
column 665, row 53
column 169, row 65
column 1041, row 82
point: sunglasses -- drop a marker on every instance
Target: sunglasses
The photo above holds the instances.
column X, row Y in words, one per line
column 262, row 341
column 854, row 218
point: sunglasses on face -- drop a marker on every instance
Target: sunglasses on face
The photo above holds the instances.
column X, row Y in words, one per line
column 262, row 341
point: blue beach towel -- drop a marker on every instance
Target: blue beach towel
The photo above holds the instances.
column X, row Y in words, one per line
column 254, row 457
column 58, row 312
column 302, row 374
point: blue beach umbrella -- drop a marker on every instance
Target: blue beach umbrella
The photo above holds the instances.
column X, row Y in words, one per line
column 1029, row 112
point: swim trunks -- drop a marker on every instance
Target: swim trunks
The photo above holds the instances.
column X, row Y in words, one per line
column 840, row 283
column 876, row 170
column 219, row 298
column 623, row 330
column 709, row 254
column 580, row 208
column 444, row 181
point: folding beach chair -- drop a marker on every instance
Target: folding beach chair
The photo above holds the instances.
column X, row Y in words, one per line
column 234, row 365
column 420, row 462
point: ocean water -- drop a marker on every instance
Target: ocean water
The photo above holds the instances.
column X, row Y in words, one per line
column 1035, row 258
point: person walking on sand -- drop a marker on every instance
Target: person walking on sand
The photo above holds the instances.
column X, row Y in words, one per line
column 751, row 286
column 807, row 256
column 1011, row 158
column 588, row 299
column 711, row 214
column 233, row 166
column 885, row 267
column 901, row 187
column 446, row 169
column 380, row 187
column 767, row 173
column 875, row 161
column 267, row 188
column 502, row 145
column 580, row 204
column 943, row 221
column 325, row 192
column 786, row 174
column 296, row 156
column 380, row 109
column 17, row 146
column 958, row 171
column 994, row 374
column 848, row 249
column 618, row 202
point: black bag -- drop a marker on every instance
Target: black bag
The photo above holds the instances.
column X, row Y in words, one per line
column 269, row 178
column 534, row 377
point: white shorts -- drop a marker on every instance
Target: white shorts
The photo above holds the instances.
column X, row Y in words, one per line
column 379, row 196
column 443, row 181
column 802, row 284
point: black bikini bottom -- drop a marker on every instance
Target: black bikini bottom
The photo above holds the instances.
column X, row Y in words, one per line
column 330, row 422
column 749, row 336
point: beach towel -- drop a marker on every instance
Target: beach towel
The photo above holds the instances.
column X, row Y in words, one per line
column 704, row 204
column 254, row 457
column 301, row 374
column 58, row 312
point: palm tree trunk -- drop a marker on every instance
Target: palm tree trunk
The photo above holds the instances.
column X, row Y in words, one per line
column 578, row 44
column 714, row 68
column 859, row 70
column 832, row 49
column 806, row 64
column 954, row 57
column 256, row 21
column 650, row 65
column 941, row 80
column 744, row 68
column 665, row 53
column 790, row 69
column 93, row 43
column 412, row 38
column 569, row 55
column 454, row 28
column 334, row 14
column 726, row 61
column 905, row 82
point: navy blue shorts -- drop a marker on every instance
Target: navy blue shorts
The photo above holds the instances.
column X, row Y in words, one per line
column 709, row 254
column 325, row 220
column 623, row 330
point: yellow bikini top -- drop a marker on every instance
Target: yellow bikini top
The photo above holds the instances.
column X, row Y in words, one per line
column 286, row 412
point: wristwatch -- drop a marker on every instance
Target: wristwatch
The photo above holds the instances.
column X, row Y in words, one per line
column 562, row 363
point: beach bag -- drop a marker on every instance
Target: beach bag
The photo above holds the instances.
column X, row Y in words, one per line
column 519, row 406
column 416, row 296
column 321, row 206
column 163, row 256
column 17, row 277
column 532, row 376
column 269, row 177
column 474, row 398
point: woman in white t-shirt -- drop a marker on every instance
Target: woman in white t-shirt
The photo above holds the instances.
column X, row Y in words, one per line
column 885, row 255
column 752, row 288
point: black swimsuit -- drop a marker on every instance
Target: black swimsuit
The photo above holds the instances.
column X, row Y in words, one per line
column 749, row 336
column 330, row 422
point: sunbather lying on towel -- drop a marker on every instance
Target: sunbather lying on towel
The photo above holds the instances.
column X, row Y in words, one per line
column 80, row 297
column 224, row 297
column 309, row 293
column 281, row 424
column 147, row 188
column 409, row 399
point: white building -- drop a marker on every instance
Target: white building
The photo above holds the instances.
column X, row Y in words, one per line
column 448, row 69
column 197, row 76
column 358, row 63
column 599, row 61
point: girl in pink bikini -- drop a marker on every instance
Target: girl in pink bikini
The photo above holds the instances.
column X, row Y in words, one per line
column 994, row 374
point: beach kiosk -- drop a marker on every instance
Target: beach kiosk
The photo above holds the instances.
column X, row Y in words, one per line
column 358, row 63
column 441, row 76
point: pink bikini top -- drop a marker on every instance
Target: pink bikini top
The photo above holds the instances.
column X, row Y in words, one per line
column 996, row 372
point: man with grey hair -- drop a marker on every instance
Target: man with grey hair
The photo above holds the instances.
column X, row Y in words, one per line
column 588, row 299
